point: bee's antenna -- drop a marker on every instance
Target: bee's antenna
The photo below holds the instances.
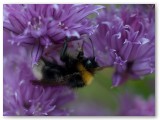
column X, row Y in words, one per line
column 64, row 49
column 92, row 46
column 82, row 45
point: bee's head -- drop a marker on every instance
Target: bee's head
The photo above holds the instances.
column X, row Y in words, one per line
column 90, row 64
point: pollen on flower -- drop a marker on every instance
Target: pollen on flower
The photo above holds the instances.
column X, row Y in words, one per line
column 126, row 41
column 66, row 28
column 62, row 26
column 106, row 48
column 8, row 90
column 119, row 35
column 17, row 113
column 55, row 6
column 18, row 43
column 151, row 70
column 35, row 23
column 38, row 106
column 11, row 41
column 29, row 23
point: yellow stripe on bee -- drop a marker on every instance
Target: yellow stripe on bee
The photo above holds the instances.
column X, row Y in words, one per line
column 87, row 77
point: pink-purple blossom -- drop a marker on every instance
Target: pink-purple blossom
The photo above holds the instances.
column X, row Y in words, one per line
column 22, row 98
column 131, row 105
column 44, row 25
column 121, row 37
column 125, row 40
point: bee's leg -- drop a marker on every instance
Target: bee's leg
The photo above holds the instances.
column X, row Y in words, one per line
column 63, row 54
column 48, row 83
column 81, row 53
column 36, row 82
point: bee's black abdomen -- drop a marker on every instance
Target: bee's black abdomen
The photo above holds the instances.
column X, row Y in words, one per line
column 76, row 81
column 76, row 71
column 53, row 72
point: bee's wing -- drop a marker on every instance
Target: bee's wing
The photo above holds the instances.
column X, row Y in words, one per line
column 61, row 81
column 47, row 83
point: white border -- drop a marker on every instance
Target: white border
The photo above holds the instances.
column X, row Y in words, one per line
column 157, row 2
column 83, row 1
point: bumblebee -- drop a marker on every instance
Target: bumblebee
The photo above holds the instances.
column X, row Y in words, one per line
column 75, row 73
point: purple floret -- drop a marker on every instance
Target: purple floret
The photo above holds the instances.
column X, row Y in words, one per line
column 125, row 40
column 131, row 105
column 44, row 25
column 21, row 97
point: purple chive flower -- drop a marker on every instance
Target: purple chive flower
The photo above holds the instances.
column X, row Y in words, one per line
column 137, row 106
column 44, row 25
column 89, row 108
column 20, row 97
column 125, row 39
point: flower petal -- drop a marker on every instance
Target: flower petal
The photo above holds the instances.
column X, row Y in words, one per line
column 118, row 79
column 36, row 53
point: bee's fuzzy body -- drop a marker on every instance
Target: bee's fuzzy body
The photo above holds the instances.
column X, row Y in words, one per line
column 76, row 72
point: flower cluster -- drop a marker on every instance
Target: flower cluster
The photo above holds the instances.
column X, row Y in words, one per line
column 21, row 97
column 125, row 40
column 136, row 106
column 45, row 25
column 121, row 37
column 38, row 27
